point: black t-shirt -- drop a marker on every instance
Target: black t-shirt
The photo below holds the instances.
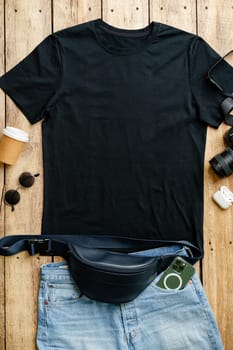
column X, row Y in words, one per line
column 125, row 114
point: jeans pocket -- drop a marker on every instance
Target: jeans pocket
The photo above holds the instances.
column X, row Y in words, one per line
column 189, row 286
column 62, row 293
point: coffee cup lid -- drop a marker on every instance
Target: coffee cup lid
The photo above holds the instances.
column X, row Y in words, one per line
column 15, row 133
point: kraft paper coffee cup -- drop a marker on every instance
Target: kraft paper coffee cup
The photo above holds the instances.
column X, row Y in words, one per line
column 12, row 144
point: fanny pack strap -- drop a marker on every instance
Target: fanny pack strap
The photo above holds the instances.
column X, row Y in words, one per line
column 50, row 245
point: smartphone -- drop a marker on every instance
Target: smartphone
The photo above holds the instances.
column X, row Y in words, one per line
column 177, row 275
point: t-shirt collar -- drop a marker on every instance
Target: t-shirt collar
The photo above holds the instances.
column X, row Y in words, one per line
column 108, row 37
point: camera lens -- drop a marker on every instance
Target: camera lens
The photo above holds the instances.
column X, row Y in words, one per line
column 222, row 163
column 179, row 266
column 228, row 137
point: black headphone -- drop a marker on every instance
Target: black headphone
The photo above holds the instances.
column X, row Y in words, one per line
column 227, row 104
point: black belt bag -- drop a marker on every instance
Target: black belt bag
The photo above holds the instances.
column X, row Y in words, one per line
column 102, row 266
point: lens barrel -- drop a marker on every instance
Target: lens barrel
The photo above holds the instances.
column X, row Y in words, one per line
column 228, row 137
column 222, row 163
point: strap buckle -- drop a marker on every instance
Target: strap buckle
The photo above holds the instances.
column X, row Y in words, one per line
column 41, row 246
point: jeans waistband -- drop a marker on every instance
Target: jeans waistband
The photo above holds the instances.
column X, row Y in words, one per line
column 59, row 271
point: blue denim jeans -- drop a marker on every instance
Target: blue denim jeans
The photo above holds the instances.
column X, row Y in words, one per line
column 158, row 319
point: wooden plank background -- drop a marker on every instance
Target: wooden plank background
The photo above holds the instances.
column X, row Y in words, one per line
column 23, row 24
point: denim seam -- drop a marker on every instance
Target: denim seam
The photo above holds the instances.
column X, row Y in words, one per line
column 44, row 310
column 205, row 314
column 52, row 302
column 210, row 331
column 213, row 327
column 124, row 323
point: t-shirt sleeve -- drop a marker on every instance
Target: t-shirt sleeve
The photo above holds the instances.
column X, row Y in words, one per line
column 33, row 83
column 207, row 98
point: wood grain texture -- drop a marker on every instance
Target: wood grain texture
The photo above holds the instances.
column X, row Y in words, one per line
column 178, row 13
column 2, row 123
column 126, row 14
column 26, row 24
column 215, row 25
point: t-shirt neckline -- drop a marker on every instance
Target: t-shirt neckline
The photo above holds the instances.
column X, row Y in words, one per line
column 149, row 32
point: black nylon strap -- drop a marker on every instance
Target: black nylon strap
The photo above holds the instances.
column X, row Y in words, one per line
column 219, row 87
column 227, row 103
column 50, row 245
